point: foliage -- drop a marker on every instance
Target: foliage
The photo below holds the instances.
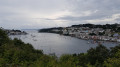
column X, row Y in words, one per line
column 3, row 37
column 99, row 54
column 114, row 61
column 92, row 34
column 15, row 53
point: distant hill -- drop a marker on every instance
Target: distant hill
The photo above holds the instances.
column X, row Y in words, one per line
column 114, row 27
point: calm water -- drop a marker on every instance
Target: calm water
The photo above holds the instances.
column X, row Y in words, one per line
column 55, row 43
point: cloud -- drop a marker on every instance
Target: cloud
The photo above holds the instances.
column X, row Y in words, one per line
column 97, row 10
column 50, row 13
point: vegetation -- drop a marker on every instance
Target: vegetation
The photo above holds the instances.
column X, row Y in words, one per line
column 15, row 53
column 51, row 30
column 114, row 27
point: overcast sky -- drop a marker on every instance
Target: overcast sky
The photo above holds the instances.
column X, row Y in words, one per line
column 28, row 14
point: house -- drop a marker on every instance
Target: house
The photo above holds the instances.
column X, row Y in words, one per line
column 118, row 40
column 116, row 35
column 108, row 32
column 65, row 31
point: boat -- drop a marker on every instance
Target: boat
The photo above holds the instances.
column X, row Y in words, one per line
column 88, row 42
column 34, row 39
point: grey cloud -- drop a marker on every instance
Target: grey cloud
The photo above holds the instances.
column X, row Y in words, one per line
column 71, row 18
column 106, row 8
column 118, row 19
column 20, row 13
column 94, row 16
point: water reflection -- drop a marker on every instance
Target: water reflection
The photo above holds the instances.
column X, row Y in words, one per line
column 54, row 43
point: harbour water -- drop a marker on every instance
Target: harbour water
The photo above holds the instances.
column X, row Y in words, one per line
column 58, row 44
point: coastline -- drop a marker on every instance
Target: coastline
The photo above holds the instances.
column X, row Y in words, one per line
column 85, row 38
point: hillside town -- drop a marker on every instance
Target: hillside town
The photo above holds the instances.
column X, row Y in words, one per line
column 89, row 32
column 13, row 32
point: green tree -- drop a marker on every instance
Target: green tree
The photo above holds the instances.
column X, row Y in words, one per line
column 3, row 37
column 98, row 54
column 114, row 61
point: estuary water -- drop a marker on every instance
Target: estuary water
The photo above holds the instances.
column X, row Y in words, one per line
column 58, row 44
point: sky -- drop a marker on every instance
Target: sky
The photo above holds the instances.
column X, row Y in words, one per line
column 36, row 14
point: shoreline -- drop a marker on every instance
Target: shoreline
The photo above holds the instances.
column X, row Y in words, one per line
column 83, row 38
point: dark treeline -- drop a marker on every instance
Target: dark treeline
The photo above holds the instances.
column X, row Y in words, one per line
column 106, row 26
column 15, row 53
column 113, row 27
column 15, row 32
column 50, row 30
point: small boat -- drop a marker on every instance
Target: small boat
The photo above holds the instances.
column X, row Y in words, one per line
column 88, row 42
column 33, row 35
column 34, row 40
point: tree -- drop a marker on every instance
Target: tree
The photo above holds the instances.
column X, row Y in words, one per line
column 114, row 61
column 98, row 54
column 3, row 37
